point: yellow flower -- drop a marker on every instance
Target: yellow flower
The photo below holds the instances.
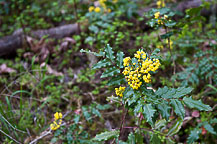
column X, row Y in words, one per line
column 126, row 61
column 171, row 43
column 97, row 9
column 57, row 121
column 57, row 116
column 156, row 15
column 165, row 16
column 119, row 91
column 109, row 10
column 160, row 3
column 160, row 22
column 91, row 8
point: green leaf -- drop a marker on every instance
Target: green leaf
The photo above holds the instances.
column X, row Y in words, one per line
column 109, row 53
column 178, row 107
column 100, row 54
column 138, row 107
column 164, row 109
column 182, row 91
column 120, row 56
column 209, row 128
column 116, row 80
column 172, row 92
column 148, row 112
column 167, row 35
column 170, row 23
column 155, row 139
column 106, row 135
column 110, row 72
column 196, row 104
column 194, row 11
column 94, row 28
column 175, row 128
column 131, row 139
column 194, row 135
column 102, row 63
column 160, row 123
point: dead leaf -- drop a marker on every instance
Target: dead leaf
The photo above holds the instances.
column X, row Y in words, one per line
column 5, row 69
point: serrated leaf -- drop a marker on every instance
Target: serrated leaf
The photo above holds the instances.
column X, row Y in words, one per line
column 102, row 54
column 138, row 107
column 182, row 91
column 196, row 104
column 175, row 128
column 148, row 112
column 178, row 107
column 164, row 109
column 209, row 128
column 167, row 93
column 110, row 72
column 116, row 80
column 120, row 56
column 109, row 52
column 128, row 92
column 101, row 64
column 194, row 135
column 106, row 135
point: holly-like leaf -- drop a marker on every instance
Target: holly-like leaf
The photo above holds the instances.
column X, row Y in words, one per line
column 120, row 56
column 164, row 109
column 106, row 135
column 175, row 128
column 194, row 135
column 178, row 107
column 116, row 80
column 110, row 72
column 182, row 91
column 196, row 104
column 101, row 64
column 148, row 112
column 109, row 53
column 168, row 93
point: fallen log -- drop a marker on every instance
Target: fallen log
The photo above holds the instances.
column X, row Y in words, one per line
column 11, row 43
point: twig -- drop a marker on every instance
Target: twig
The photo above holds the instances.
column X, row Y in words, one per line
column 41, row 136
column 10, row 137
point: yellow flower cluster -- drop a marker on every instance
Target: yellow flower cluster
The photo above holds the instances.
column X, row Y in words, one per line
column 157, row 16
column 92, row 8
column 103, row 5
column 136, row 72
column 119, row 91
column 57, row 121
column 160, row 3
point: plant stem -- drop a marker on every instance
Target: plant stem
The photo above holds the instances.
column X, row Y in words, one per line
column 122, row 121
